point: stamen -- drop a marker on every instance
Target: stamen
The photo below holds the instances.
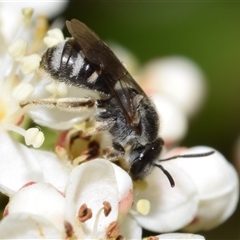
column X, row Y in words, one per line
column 112, row 230
column 14, row 128
column 22, row 91
column 107, row 208
column 68, row 229
column 62, row 89
column 119, row 237
column 33, row 136
column 152, row 238
column 143, row 206
column 18, row 49
column 30, row 63
column 27, row 14
column 54, row 36
column 84, row 213
column 51, row 88
column 97, row 219
column 56, row 88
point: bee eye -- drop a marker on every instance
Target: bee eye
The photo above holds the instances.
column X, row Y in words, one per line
column 143, row 158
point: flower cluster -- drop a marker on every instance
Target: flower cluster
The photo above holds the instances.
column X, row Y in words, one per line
column 73, row 193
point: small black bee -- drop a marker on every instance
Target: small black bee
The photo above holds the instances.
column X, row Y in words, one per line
column 125, row 111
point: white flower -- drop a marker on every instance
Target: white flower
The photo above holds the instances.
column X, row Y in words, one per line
column 236, row 156
column 203, row 185
column 179, row 236
column 96, row 198
column 170, row 208
column 17, row 73
column 20, row 165
column 173, row 121
column 13, row 8
column 27, row 225
column 178, row 78
column 177, row 87
column 218, row 188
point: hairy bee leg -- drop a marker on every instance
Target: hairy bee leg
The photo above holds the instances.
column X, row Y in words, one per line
column 65, row 104
column 114, row 153
column 99, row 126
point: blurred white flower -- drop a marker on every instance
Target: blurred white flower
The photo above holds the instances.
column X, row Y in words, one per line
column 179, row 236
column 236, row 155
column 127, row 58
column 44, row 8
column 177, row 87
column 178, row 78
column 173, row 121
column 16, row 72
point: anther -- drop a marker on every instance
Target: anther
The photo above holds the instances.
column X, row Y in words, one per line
column 56, row 88
column 112, row 230
column 30, row 63
column 119, row 237
column 68, row 229
column 18, row 49
column 27, row 13
column 33, row 136
column 143, row 206
column 107, row 208
column 22, row 91
column 84, row 213
column 53, row 37
column 152, row 238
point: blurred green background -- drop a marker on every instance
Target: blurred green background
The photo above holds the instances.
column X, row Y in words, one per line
column 207, row 32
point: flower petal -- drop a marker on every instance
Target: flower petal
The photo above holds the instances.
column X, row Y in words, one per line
column 171, row 208
column 130, row 229
column 27, row 226
column 176, row 77
column 217, row 184
column 125, row 191
column 92, row 183
column 174, row 122
column 41, row 199
column 17, row 165
column 180, row 236
column 55, row 170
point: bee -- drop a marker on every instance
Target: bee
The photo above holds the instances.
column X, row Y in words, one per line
column 124, row 110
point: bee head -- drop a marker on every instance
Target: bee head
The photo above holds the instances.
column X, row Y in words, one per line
column 142, row 158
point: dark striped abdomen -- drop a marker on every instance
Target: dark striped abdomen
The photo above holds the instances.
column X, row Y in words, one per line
column 66, row 62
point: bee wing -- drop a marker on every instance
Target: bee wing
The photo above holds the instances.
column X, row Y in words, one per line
column 114, row 73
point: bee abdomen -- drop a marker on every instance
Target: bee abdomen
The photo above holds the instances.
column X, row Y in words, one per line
column 66, row 62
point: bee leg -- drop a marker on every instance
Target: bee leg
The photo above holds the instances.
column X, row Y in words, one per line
column 65, row 104
column 99, row 126
column 114, row 153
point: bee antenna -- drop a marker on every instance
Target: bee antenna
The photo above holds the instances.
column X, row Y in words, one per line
column 168, row 175
column 187, row 156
